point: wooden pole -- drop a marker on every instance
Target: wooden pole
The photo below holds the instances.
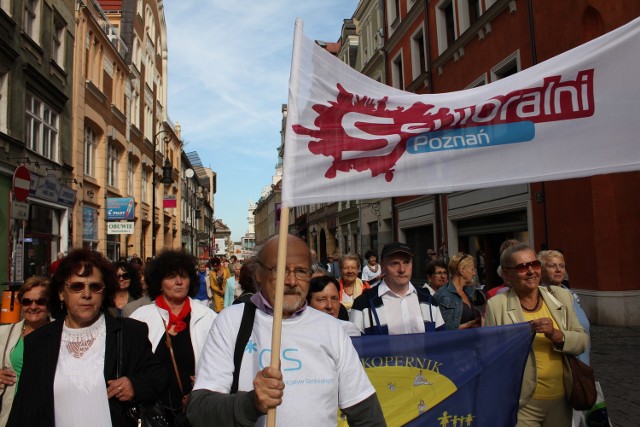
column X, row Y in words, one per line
column 281, row 270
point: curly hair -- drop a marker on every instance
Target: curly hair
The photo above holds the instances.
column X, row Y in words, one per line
column 135, row 289
column 168, row 262
column 81, row 262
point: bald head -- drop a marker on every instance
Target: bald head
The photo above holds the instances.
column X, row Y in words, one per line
column 296, row 281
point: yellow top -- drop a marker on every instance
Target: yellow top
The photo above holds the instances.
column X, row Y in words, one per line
column 548, row 361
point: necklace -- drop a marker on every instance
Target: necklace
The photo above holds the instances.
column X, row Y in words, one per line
column 535, row 308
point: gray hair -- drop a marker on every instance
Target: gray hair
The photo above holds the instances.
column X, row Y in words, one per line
column 506, row 257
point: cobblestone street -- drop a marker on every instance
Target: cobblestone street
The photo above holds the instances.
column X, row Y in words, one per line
column 614, row 354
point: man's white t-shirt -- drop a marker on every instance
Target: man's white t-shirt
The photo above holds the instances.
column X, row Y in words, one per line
column 320, row 367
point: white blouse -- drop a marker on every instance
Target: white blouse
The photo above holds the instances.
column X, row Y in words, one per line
column 80, row 392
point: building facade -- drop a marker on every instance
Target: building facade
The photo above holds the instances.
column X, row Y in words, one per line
column 36, row 82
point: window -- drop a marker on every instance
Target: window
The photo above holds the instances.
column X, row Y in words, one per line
column 41, row 134
column 418, row 55
column 4, row 101
column 144, row 183
column 30, row 21
column 57, row 41
column 130, row 176
column 393, row 7
column 112, row 165
column 90, row 146
column 507, row 67
column 445, row 24
column 397, row 73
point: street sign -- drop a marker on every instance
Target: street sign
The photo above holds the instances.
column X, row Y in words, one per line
column 120, row 227
column 20, row 210
column 21, row 183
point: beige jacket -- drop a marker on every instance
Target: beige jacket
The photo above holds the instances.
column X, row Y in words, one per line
column 505, row 309
column 9, row 335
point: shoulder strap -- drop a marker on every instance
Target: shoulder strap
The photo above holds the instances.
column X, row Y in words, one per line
column 246, row 326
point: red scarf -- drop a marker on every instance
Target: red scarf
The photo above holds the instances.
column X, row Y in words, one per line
column 175, row 320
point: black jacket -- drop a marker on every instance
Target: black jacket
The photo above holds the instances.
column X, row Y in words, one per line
column 33, row 404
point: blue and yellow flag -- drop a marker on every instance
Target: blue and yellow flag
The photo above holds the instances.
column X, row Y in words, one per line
column 463, row 378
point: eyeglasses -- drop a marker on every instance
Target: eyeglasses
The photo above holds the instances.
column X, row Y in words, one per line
column 77, row 287
column 28, row 301
column 300, row 273
column 124, row 276
column 524, row 267
column 555, row 266
column 441, row 273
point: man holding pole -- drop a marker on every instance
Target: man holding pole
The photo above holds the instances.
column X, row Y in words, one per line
column 320, row 369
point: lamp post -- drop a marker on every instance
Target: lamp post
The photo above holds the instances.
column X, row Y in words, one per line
column 166, row 179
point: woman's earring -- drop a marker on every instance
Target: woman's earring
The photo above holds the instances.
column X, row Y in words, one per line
column 61, row 304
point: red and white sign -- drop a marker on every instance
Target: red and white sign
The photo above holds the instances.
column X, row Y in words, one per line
column 21, row 183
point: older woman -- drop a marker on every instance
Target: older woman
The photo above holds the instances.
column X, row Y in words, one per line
column 129, row 288
column 178, row 326
column 75, row 372
column 324, row 295
column 33, row 299
column 247, row 282
column 458, row 298
column 547, row 380
column 371, row 270
column 351, row 286
column 553, row 273
column 232, row 285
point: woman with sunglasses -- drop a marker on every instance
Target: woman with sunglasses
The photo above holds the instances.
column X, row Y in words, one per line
column 458, row 298
column 544, row 396
column 33, row 306
column 128, row 287
column 85, row 368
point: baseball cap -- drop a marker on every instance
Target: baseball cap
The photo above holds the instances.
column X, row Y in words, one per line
column 394, row 248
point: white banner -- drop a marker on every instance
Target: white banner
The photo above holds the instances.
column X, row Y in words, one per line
column 350, row 137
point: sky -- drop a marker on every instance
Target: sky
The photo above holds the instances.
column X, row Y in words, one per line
column 229, row 65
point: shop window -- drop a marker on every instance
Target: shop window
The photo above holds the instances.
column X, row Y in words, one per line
column 41, row 133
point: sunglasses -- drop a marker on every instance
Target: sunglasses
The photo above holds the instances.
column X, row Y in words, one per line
column 28, row 301
column 125, row 276
column 524, row 267
column 77, row 287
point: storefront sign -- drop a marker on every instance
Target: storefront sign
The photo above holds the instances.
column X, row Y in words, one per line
column 120, row 228
column 120, row 208
column 67, row 196
column 48, row 188
column 20, row 210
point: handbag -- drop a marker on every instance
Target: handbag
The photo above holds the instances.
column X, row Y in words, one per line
column 149, row 414
column 583, row 393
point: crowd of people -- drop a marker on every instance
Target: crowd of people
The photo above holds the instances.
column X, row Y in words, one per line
column 98, row 338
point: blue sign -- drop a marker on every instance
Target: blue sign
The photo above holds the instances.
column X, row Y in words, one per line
column 119, row 208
